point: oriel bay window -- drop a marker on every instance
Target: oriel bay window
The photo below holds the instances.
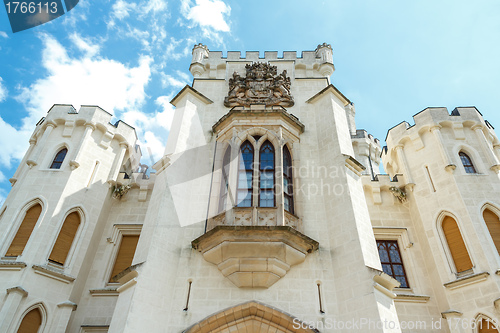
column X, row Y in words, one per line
column 245, row 175
column 257, row 178
column 266, row 173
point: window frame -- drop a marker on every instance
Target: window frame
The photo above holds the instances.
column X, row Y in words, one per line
column 245, row 170
column 289, row 176
column 386, row 243
column 118, row 231
column 446, row 249
column 271, row 171
column 400, row 234
column 76, row 240
column 20, row 215
column 463, row 155
column 51, row 167
column 224, row 180
column 43, row 313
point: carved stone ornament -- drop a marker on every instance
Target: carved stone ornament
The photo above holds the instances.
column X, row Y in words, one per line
column 261, row 85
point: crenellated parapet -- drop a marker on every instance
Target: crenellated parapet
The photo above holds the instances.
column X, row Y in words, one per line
column 376, row 187
column 438, row 130
column 367, row 150
column 74, row 130
column 212, row 64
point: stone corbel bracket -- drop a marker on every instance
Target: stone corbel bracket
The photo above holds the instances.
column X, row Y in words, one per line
column 254, row 256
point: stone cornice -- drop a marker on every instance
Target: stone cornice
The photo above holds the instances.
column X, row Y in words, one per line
column 255, row 111
column 190, row 90
column 330, row 88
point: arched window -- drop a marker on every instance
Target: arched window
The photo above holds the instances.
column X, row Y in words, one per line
column 245, row 175
column 266, row 168
column 65, row 239
column 31, row 322
column 456, row 245
column 224, row 182
column 125, row 255
column 486, row 326
column 23, row 234
column 493, row 224
column 58, row 160
column 287, row 180
column 467, row 162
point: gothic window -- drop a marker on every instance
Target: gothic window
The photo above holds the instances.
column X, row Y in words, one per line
column 456, row 244
column 31, row 322
column 245, row 175
column 467, row 162
column 287, row 180
column 65, row 239
column 493, row 224
column 392, row 264
column 266, row 170
column 125, row 255
column 486, row 326
column 224, row 182
column 58, row 160
column 23, row 234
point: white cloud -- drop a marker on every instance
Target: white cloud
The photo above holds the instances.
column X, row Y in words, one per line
column 104, row 82
column 3, row 34
column 14, row 143
column 110, row 84
column 122, row 9
column 155, row 6
column 85, row 45
column 208, row 14
column 152, row 129
column 170, row 81
column 3, row 91
column 167, row 115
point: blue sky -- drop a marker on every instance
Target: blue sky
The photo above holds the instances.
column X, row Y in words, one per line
column 392, row 58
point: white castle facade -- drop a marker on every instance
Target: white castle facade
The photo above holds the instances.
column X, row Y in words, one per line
column 267, row 213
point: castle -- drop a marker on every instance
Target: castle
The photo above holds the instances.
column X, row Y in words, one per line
column 267, row 213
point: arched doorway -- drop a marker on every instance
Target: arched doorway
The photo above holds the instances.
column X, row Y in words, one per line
column 251, row 317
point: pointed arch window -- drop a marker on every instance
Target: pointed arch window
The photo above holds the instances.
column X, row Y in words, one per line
column 23, row 234
column 486, row 326
column 31, row 322
column 456, row 245
column 224, row 182
column 65, row 239
column 467, row 162
column 287, row 180
column 267, row 175
column 493, row 224
column 245, row 175
column 58, row 160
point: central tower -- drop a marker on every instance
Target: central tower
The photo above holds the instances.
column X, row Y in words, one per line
column 258, row 204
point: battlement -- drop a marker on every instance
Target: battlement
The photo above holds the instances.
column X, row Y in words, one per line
column 436, row 116
column 363, row 134
column 66, row 115
column 318, row 62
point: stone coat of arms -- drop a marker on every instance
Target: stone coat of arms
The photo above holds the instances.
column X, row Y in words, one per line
column 261, row 85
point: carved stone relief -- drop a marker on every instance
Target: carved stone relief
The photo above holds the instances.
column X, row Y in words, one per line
column 261, row 85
